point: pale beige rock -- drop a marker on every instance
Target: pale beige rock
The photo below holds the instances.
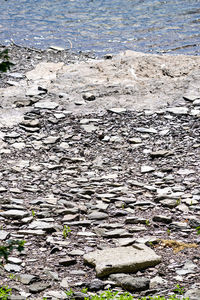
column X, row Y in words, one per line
column 45, row 71
column 122, row 259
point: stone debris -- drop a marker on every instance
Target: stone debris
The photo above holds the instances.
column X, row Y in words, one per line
column 117, row 188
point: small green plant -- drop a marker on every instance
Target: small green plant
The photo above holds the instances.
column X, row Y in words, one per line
column 7, row 248
column 198, row 229
column 84, row 290
column 5, row 292
column 178, row 201
column 5, row 63
column 109, row 295
column 168, row 231
column 179, row 290
column 147, row 222
column 69, row 293
column 33, row 213
column 12, row 276
column 66, row 231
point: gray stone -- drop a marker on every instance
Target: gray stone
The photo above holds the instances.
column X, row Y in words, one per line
column 89, row 127
column 171, row 203
column 196, row 102
column 117, row 233
column 32, row 232
column 38, row 287
column 147, row 169
column 64, row 283
column 56, row 295
column 12, row 268
column 130, row 283
column 122, row 259
column 14, row 260
column 46, row 105
column 146, row 130
column 117, row 110
column 39, row 225
column 14, row 214
column 26, row 278
column 156, row 281
column 67, row 261
column 96, row 215
column 89, row 96
column 193, row 294
column 4, row 235
column 162, row 219
column 188, row 268
column 52, row 275
column 51, row 140
column 178, row 110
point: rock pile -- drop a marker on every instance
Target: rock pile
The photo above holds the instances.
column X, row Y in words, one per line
column 105, row 200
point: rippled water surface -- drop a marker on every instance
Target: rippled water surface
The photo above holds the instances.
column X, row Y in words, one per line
column 103, row 25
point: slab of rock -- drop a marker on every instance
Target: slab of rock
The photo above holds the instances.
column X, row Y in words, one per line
column 122, row 259
column 37, row 287
column 130, row 283
column 46, row 105
column 14, row 214
column 4, row 235
column 193, row 294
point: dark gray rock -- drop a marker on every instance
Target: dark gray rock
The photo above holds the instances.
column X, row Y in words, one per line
column 130, row 283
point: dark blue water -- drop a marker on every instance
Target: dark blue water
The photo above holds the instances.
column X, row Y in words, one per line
column 103, row 25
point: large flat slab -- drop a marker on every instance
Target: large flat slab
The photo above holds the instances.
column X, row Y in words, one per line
column 122, row 259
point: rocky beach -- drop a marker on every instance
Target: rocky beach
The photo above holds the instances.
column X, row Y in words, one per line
column 100, row 162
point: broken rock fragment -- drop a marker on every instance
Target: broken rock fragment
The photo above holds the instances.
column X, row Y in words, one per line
column 122, row 259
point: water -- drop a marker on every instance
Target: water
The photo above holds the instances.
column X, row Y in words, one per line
column 103, row 26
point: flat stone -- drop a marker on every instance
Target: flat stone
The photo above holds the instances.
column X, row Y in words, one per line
column 96, row 215
column 26, row 278
column 51, row 140
column 4, row 235
column 56, row 48
column 38, row 287
column 135, row 141
column 14, row 214
column 67, row 261
column 147, row 169
column 64, row 283
column 161, row 153
column 46, row 105
column 32, row 232
column 117, row 110
column 178, row 110
column 89, row 127
column 122, row 259
column 162, row 219
column 193, row 294
column 157, row 281
column 196, row 102
column 14, row 260
column 146, row 130
column 56, row 295
column 12, row 268
column 35, row 225
column 117, row 233
column 130, row 283
column 171, row 203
